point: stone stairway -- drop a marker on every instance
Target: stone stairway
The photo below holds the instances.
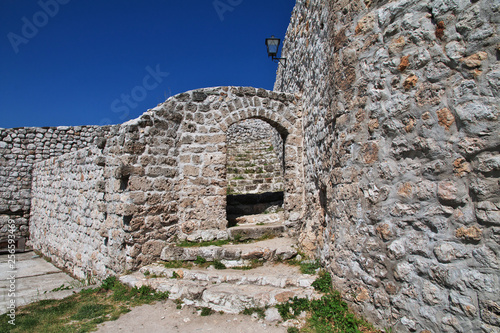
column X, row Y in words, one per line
column 261, row 279
column 253, row 167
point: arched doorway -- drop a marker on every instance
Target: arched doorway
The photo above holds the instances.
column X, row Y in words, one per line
column 255, row 174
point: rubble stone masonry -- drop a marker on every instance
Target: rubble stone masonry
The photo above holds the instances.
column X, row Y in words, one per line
column 155, row 180
column 20, row 148
column 402, row 166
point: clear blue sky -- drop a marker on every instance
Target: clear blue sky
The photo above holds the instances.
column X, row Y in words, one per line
column 74, row 62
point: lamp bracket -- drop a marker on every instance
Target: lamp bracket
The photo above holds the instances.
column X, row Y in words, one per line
column 278, row 60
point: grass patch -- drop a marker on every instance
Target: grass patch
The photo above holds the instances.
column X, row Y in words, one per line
column 177, row 264
column 206, row 311
column 219, row 242
column 323, row 283
column 80, row 312
column 261, row 312
column 200, row 260
column 309, row 267
column 330, row 314
column 61, row 287
column 238, row 178
column 218, row 265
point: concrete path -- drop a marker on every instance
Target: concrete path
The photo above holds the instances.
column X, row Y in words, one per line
column 31, row 278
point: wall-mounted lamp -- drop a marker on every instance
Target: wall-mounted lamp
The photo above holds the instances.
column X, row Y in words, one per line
column 273, row 45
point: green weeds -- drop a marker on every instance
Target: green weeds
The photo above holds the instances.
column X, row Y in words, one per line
column 200, row 260
column 330, row 314
column 323, row 283
column 80, row 312
column 177, row 264
column 218, row 265
column 205, row 311
column 309, row 267
column 261, row 312
column 219, row 242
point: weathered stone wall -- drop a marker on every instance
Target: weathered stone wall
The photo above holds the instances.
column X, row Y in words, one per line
column 159, row 178
column 401, row 106
column 19, row 149
column 67, row 224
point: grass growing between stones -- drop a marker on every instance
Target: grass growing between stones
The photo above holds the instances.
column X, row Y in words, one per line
column 219, row 242
column 177, row 264
column 329, row 314
column 261, row 312
column 306, row 266
column 81, row 312
column 237, row 240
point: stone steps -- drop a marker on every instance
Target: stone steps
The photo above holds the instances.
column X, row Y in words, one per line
column 245, row 232
column 258, row 179
column 269, row 250
column 253, row 168
column 227, row 290
column 258, row 219
column 276, row 275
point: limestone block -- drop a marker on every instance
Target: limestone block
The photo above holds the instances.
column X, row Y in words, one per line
column 452, row 193
column 488, row 212
column 447, row 252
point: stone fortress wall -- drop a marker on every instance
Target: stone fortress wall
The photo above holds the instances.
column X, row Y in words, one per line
column 401, row 106
column 154, row 180
column 20, row 148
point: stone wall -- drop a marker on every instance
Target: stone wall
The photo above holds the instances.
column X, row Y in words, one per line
column 67, row 224
column 402, row 155
column 19, row 149
column 159, row 178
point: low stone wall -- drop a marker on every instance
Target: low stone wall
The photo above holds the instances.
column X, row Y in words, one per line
column 66, row 223
column 20, row 148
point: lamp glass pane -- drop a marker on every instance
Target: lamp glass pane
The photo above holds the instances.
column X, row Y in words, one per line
column 272, row 46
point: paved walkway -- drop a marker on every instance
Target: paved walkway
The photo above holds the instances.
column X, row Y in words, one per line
column 33, row 279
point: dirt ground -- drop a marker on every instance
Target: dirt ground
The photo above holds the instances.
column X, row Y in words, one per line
column 163, row 317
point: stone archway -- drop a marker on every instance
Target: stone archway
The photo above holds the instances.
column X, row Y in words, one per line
column 208, row 114
column 255, row 169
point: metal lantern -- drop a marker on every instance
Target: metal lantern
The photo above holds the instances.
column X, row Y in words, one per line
column 272, row 46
